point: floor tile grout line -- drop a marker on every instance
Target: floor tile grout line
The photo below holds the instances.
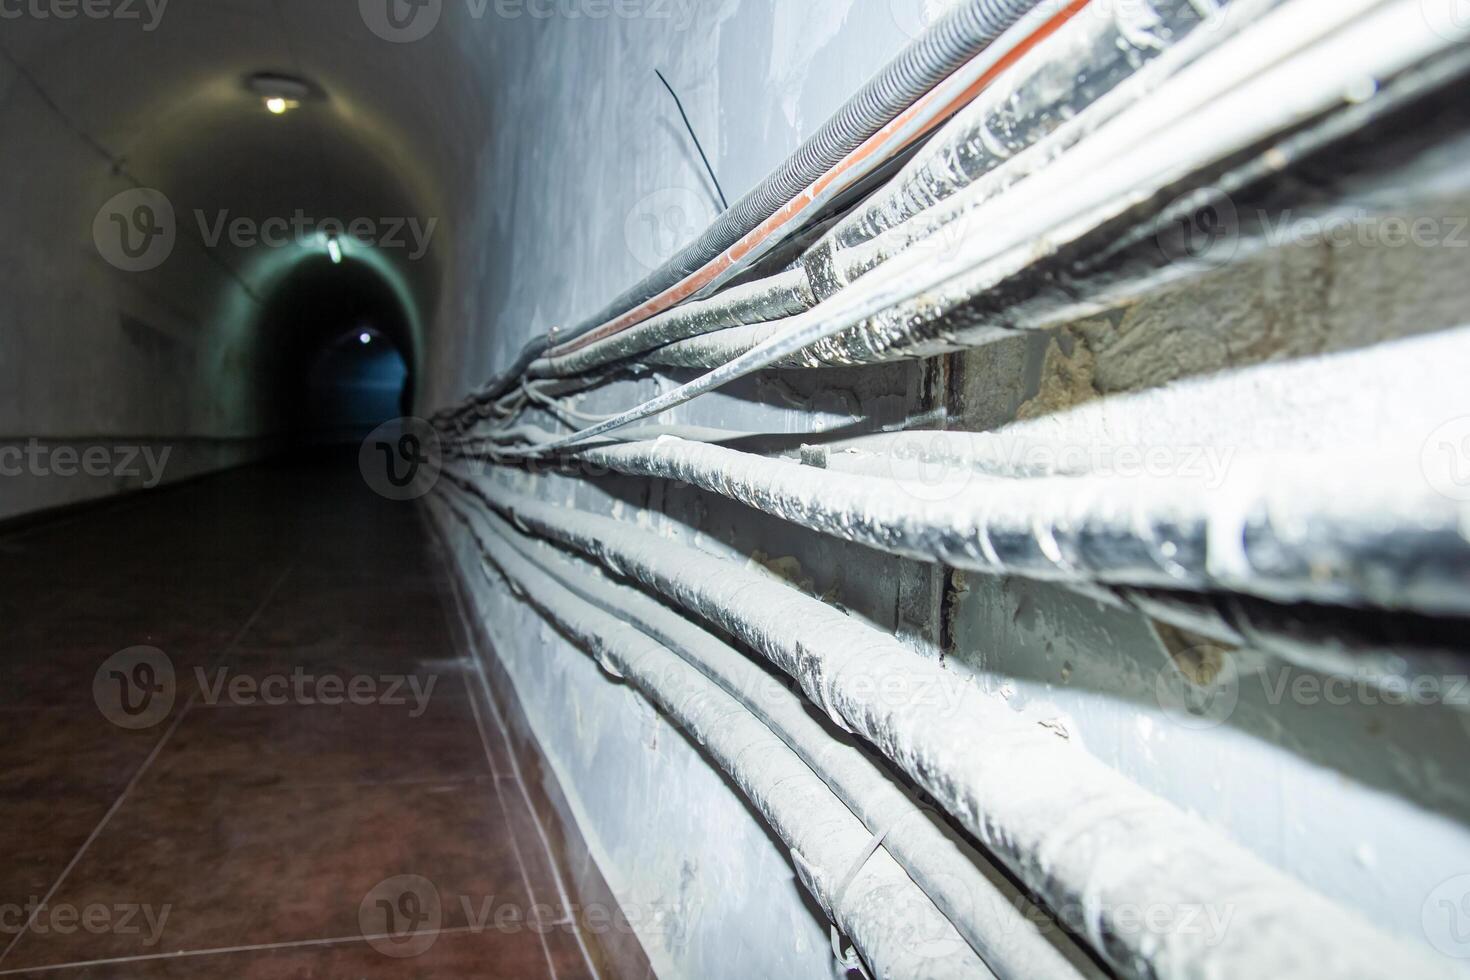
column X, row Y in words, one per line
column 464, row 629
column 229, row 950
column 495, row 773
column 520, row 782
column 515, row 846
column 139, row 772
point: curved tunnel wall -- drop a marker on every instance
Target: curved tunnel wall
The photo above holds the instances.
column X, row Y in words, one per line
column 554, row 171
column 176, row 341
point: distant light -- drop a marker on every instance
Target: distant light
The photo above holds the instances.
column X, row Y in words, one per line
column 277, row 105
column 365, row 337
column 334, row 249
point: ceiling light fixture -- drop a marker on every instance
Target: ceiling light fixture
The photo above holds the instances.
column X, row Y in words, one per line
column 281, row 93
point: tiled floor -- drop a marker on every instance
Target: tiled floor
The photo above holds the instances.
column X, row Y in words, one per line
column 318, row 795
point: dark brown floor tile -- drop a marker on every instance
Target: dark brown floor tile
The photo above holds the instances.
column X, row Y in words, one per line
column 55, row 751
column 455, row 956
column 264, row 824
column 494, row 745
column 315, row 620
column 236, row 745
column 255, row 866
column 35, row 677
column 39, row 836
column 376, row 662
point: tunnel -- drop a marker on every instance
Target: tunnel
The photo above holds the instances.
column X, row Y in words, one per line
column 724, row 488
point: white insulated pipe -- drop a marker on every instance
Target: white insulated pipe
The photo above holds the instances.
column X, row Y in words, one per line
column 1158, row 893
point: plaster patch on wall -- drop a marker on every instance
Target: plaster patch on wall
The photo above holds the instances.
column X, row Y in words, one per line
column 1066, row 378
column 799, row 32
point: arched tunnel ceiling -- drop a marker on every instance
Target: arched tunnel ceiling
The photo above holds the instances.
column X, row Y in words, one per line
column 379, row 144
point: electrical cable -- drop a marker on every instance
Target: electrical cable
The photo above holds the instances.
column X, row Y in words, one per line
column 889, row 113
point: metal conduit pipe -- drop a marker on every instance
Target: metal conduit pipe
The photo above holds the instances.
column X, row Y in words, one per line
column 943, row 225
column 894, row 925
column 952, row 41
column 997, row 920
column 997, row 136
column 1006, row 119
column 802, row 173
column 913, row 334
column 1300, row 60
column 1076, row 832
column 1240, row 74
column 1101, row 62
column 712, row 350
column 1270, row 529
column 1383, row 649
column 1091, row 56
column 768, row 299
column 995, row 130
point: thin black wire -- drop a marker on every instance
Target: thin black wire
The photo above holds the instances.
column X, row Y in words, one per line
column 690, row 126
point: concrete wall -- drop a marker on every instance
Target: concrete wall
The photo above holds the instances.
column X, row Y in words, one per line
column 588, row 183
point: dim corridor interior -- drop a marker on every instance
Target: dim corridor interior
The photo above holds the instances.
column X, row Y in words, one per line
column 251, row 828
